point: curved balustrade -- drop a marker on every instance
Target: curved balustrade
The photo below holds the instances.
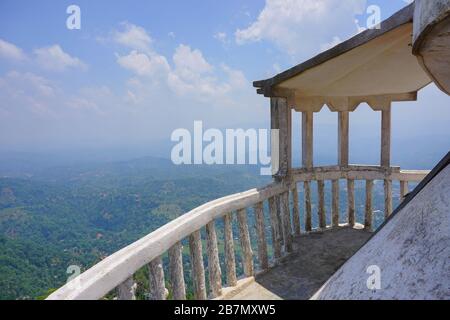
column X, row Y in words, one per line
column 117, row 270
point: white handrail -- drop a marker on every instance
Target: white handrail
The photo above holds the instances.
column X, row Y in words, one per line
column 358, row 172
column 97, row 281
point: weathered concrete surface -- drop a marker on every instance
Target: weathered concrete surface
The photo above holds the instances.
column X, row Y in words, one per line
column 431, row 40
column 255, row 291
column 412, row 252
column 427, row 14
column 315, row 258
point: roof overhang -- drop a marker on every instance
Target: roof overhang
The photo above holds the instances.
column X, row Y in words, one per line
column 376, row 66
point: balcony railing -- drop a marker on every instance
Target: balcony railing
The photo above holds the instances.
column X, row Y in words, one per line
column 117, row 270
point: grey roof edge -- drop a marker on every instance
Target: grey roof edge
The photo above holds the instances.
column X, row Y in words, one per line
column 404, row 16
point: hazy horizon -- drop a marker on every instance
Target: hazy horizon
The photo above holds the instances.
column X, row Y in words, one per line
column 128, row 78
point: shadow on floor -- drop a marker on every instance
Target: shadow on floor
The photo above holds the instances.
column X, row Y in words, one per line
column 316, row 257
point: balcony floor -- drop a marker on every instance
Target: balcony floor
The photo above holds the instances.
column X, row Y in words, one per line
column 316, row 257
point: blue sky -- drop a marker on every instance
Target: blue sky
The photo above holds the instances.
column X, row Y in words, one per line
column 139, row 69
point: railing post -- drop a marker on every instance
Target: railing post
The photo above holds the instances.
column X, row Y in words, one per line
column 262, row 244
column 369, row 211
column 156, row 280
column 198, row 269
column 335, row 203
column 126, row 290
column 308, row 216
column 307, row 139
column 274, row 222
column 404, row 190
column 215, row 274
column 286, row 218
column 296, row 211
column 386, row 137
column 387, row 198
column 321, row 209
column 343, row 129
column 280, row 216
column 351, row 202
column 245, row 243
column 280, row 119
column 230, row 259
column 176, row 272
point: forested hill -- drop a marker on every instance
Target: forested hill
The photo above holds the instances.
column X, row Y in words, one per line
column 54, row 217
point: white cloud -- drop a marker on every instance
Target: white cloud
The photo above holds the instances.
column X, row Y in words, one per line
column 55, row 59
column 51, row 58
column 189, row 74
column 186, row 85
column 39, row 85
column 192, row 75
column 190, row 62
column 25, row 94
column 163, row 93
column 143, row 64
column 302, row 26
column 11, row 51
column 133, row 37
column 236, row 78
column 222, row 37
column 26, row 91
column 98, row 100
